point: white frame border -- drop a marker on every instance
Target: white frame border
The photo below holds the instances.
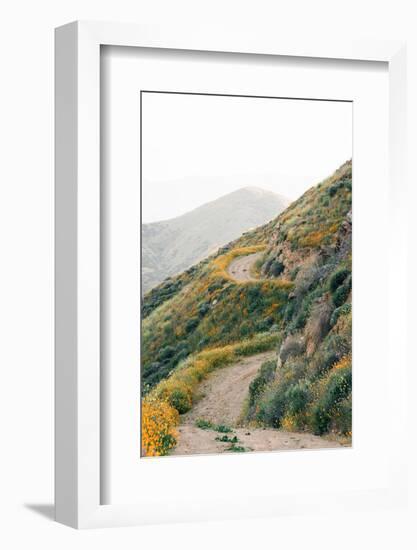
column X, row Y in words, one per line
column 77, row 244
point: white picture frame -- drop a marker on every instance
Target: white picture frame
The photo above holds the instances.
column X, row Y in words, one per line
column 77, row 394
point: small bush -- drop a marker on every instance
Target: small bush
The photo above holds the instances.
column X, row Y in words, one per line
column 217, row 285
column 297, row 397
column 277, row 268
column 341, row 421
column 236, row 449
column 336, row 388
column 245, row 328
column 203, row 309
column 272, row 406
column 337, row 345
column 227, row 439
column 337, row 279
column 259, row 263
column 322, row 362
column 204, row 424
column 345, row 309
column 180, row 400
column 166, row 353
column 341, row 295
column 264, row 324
column 265, row 375
column 208, row 425
column 221, row 428
column 181, row 355
column 191, row 324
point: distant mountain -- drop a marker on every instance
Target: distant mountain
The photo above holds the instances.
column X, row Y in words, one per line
column 169, row 247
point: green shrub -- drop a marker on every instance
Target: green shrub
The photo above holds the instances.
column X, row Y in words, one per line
column 203, row 309
column 337, row 344
column 245, row 328
column 272, row 406
column 264, row 324
column 338, row 388
column 166, row 353
column 341, row 295
column 182, row 354
column 337, row 279
column 323, row 361
column 265, row 375
column 345, row 309
column 259, row 263
column 226, row 439
column 297, row 397
column 192, row 324
column 342, row 417
column 179, row 400
column 204, row 424
column 216, row 286
column 151, row 368
column 254, row 298
column 221, row 428
column 236, row 449
column 289, row 310
column 277, row 268
column 320, row 421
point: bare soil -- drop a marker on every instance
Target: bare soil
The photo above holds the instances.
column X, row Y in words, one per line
column 223, row 394
column 240, row 268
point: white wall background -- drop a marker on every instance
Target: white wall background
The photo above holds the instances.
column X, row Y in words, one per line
column 26, row 300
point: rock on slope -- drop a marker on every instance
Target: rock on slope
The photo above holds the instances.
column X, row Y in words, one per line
column 169, row 247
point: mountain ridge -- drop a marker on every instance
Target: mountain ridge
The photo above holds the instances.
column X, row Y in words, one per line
column 173, row 245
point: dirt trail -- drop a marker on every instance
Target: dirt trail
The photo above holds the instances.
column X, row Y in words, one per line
column 222, row 398
column 240, row 268
column 224, row 392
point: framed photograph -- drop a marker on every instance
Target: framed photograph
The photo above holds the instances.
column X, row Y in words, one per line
column 230, row 341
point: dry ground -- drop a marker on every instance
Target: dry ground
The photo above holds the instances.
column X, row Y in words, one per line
column 221, row 401
column 240, row 268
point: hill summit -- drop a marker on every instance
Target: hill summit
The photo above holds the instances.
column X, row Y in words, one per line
column 169, row 247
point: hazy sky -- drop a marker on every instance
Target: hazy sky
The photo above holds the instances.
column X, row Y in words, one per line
column 197, row 148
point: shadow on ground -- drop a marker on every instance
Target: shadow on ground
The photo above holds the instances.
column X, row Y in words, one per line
column 45, row 510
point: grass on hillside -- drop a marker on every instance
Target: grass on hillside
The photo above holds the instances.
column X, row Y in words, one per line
column 203, row 319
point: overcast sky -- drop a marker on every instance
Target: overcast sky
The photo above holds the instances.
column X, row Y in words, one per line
column 197, row 148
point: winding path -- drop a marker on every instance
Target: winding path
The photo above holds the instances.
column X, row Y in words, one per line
column 240, row 268
column 222, row 397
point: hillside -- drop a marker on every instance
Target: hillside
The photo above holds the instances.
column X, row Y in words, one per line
column 169, row 247
column 296, row 301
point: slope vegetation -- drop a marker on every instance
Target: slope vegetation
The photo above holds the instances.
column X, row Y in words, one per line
column 296, row 302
